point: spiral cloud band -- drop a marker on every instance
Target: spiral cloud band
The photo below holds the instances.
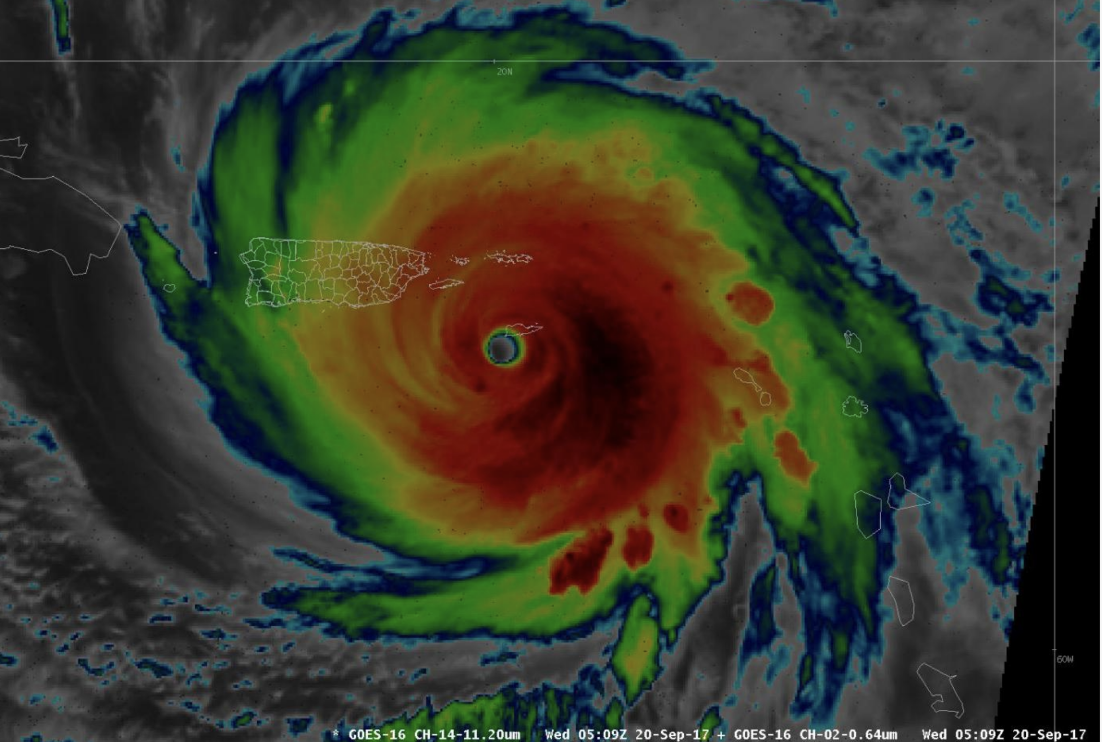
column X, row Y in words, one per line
column 658, row 241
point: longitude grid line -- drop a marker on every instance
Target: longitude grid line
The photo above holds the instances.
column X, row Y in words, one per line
column 1055, row 377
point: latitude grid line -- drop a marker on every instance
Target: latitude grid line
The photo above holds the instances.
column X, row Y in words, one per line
column 275, row 60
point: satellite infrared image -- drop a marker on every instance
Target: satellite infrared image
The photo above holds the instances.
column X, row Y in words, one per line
column 632, row 370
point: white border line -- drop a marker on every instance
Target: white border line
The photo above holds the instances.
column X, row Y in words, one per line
column 22, row 148
column 938, row 697
column 914, row 605
column 68, row 265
